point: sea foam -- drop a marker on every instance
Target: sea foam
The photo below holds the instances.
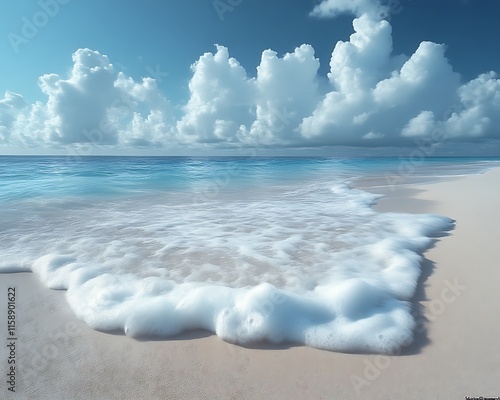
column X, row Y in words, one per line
column 314, row 265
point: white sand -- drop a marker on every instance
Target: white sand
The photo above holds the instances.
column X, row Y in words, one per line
column 456, row 352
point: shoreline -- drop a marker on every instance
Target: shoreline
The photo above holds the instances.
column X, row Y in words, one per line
column 457, row 336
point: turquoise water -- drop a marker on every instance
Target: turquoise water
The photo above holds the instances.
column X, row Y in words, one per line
column 58, row 177
column 276, row 249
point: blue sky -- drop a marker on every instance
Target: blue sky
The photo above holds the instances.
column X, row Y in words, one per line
column 139, row 38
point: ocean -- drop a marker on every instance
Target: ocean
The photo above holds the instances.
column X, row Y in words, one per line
column 252, row 248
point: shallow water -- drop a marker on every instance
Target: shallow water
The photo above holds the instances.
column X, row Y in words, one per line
column 278, row 249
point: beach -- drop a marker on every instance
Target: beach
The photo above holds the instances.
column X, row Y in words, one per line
column 455, row 353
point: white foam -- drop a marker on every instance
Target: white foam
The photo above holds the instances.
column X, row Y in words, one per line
column 315, row 265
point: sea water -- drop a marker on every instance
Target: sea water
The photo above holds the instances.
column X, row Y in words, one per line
column 252, row 249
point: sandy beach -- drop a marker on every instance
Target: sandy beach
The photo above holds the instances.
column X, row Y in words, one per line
column 456, row 352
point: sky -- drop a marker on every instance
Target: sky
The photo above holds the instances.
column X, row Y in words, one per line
column 166, row 77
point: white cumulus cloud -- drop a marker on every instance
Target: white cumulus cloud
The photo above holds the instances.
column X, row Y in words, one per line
column 10, row 107
column 221, row 96
column 332, row 8
column 370, row 97
column 96, row 103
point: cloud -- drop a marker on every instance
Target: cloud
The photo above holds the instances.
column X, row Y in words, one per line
column 221, row 96
column 280, row 105
column 10, row 107
column 95, row 104
column 142, row 113
column 76, row 106
column 370, row 97
column 374, row 97
column 227, row 107
column 332, row 8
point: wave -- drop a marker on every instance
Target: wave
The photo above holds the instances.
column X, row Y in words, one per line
column 313, row 264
